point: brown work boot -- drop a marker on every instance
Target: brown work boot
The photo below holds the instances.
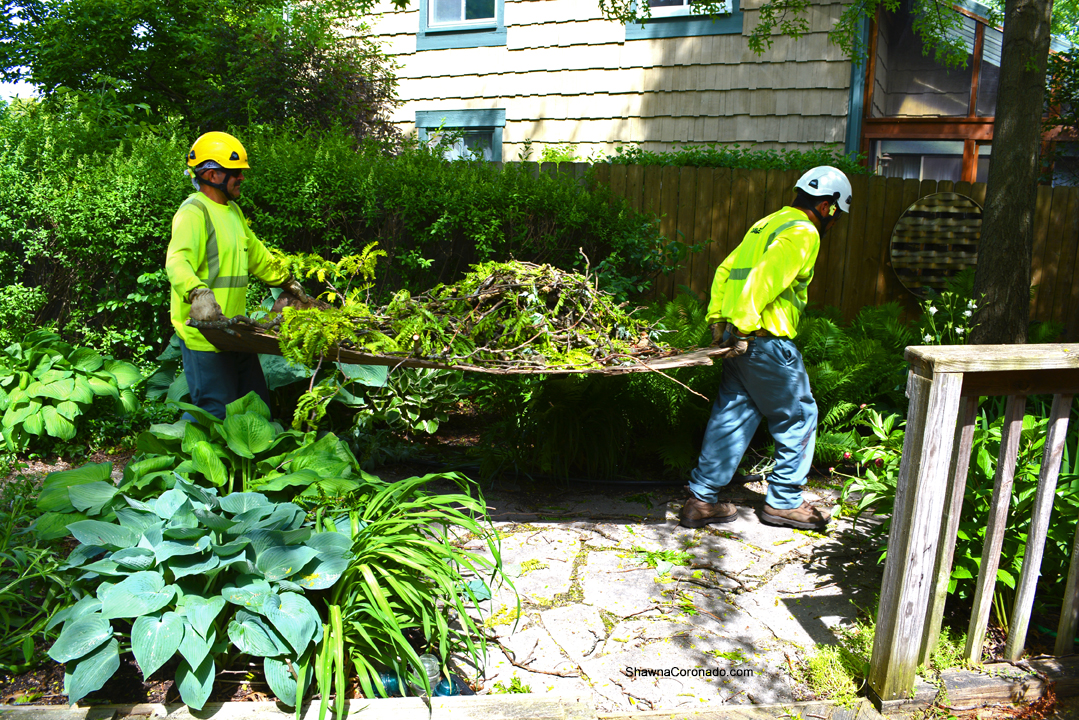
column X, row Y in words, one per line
column 697, row 513
column 805, row 517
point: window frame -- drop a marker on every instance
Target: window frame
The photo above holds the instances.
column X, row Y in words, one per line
column 493, row 119
column 476, row 33
column 670, row 24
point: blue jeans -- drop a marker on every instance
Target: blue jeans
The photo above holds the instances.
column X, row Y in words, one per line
column 217, row 378
column 768, row 381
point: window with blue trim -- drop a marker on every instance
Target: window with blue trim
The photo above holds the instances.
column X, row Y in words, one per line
column 460, row 24
column 476, row 133
column 675, row 18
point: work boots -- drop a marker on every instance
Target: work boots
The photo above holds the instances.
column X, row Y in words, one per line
column 697, row 513
column 804, row 517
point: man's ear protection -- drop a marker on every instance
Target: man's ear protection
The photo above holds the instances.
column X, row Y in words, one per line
column 832, row 209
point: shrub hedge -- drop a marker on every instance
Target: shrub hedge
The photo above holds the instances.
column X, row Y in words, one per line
column 85, row 218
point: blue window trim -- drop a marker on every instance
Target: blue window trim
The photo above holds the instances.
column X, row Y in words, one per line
column 490, row 34
column 494, row 119
column 687, row 25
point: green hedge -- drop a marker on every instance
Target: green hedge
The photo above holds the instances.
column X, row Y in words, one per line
column 738, row 157
column 85, row 219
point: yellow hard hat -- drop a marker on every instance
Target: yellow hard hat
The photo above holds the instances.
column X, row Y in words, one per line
column 220, row 147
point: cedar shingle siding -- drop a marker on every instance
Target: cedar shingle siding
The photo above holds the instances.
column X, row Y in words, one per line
column 567, row 75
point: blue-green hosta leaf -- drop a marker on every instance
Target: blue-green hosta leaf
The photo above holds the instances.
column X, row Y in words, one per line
column 195, row 684
column 253, row 519
column 254, row 636
column 126, row 374
column 82, row 608
column 191, row 565
column 102, row 387
column 209, row 464
column 135, row 558
column 237, row 503
column 201, row 416
column 248, row 591
column 250, row 403
column 152, row 536
column 154, row 640
column 183, row 525
column 193, row 647
column 277, row 563
column 68, row 409
column 168, row 504
column 91, row 672
column 83, row 554
column 169, row 548
column 201, row 612
column 286, row 516
column 330, row 544
column 197, row 494
column 320, row 573
column 248, row 434
column 369, row 375
column 96, row 532
column 105, row 567
column 295, row 618
column 287, row 586
column 281, row 680
column 139, row 594
column 79, row 636
column 138, row 521
column 214, row 521
column 53, row 525
column 92, row 497
column 231, row 548
column 178, row 389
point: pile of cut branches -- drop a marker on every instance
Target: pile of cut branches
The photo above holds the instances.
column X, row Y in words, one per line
column 501, row 315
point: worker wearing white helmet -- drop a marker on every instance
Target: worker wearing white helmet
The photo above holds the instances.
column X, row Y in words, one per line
column 758, row 296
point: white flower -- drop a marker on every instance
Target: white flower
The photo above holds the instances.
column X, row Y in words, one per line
column 928, row 338
column 959, row 331
column 967, row 313
column 932, row 310
column 971, row 305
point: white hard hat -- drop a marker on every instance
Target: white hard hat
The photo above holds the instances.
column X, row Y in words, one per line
column 826, row 181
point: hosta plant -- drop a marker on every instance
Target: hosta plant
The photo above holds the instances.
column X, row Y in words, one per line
column 46, row 385
column 191, row 573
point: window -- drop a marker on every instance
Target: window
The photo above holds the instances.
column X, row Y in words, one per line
column 480, row 131
column 675, row 18
column 460, row 24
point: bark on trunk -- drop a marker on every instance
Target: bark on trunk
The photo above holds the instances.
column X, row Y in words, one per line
column 1002, row 280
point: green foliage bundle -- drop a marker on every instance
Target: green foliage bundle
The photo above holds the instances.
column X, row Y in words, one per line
column 502, row 314
column 737, row 157
column 46, row 385
column 191, row 573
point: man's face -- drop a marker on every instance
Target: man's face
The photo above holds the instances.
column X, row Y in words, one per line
column 232, row 186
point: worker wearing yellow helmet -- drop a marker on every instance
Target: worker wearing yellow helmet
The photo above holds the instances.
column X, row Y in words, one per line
column 210, row 256
column 758, row 295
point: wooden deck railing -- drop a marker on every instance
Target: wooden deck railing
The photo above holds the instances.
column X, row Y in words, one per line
column 944, row 385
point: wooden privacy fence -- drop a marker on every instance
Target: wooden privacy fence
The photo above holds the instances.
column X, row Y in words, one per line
column 944, row 385
column 716, row 206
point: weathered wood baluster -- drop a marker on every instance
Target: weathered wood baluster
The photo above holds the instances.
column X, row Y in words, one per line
column 912, row 542
column 1069, row 614
column 953, row 507
column 998, row 520
column 1039, row 525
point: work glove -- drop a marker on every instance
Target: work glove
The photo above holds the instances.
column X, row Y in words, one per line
column 293, row 287
column 737, row 346
column 717, row 332
column 204, row 307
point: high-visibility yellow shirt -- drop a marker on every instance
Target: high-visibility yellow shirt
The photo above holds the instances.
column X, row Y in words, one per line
column 212, row 246
column 763, row 284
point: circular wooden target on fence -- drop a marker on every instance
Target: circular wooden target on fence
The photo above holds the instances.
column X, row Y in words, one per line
column 935, row 239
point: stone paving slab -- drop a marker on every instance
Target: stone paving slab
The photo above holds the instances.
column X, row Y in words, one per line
column 625, row 609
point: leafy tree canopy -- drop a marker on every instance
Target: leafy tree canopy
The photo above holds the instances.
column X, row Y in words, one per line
column 216, row 62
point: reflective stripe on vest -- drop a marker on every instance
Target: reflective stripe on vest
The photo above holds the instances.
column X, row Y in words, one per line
column 742, row 273
column 213, row 259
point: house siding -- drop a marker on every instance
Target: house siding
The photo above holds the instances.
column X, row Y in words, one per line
column 566, row 75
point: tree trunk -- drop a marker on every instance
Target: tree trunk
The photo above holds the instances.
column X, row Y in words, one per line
column 1002, row 280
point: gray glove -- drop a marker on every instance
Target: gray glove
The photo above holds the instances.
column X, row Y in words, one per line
column 293, row 287
column 717, row 332
column 204, row 307
column 737, row 346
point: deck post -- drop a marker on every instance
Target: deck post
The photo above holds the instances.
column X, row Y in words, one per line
column 912, row 542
